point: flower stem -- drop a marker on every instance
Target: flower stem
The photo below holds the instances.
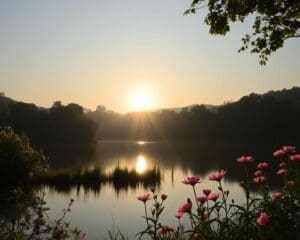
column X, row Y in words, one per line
column 224, row 200
column 146, row 215
column 247, row 201
column 195, row 195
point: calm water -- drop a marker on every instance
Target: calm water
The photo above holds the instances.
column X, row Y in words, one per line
column 110, row 206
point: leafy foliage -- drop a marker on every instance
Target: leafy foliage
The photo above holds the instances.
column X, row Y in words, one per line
column 275, row 21
column 18, row 160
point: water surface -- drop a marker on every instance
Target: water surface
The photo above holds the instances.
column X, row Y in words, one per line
column 97, row 210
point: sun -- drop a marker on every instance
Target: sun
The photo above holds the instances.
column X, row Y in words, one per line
column 141, row 100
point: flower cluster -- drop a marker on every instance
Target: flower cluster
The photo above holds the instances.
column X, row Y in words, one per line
column 285, row 150
column 245, row 159
column 212, row 216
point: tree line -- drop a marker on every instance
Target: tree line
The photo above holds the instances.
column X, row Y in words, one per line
column 48, row 125
column 274, row 116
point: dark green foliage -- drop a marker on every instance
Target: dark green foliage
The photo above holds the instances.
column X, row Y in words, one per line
column 275, row 21
column 57, row 124
column 18, row 160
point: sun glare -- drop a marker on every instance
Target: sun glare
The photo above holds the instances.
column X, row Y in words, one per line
column 141, row 164
column 141, row 101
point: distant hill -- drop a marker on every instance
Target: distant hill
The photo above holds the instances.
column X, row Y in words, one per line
column 188, row 108
column 4, row 99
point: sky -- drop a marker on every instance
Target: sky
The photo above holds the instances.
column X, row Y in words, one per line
column 104, row 52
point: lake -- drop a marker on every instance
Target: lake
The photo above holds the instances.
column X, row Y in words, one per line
column 115, row 206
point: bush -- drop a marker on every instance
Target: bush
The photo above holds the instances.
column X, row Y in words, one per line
column 33, row 223
column 18, row 160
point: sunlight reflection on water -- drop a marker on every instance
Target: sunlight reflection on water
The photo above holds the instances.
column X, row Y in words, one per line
column 141, row 164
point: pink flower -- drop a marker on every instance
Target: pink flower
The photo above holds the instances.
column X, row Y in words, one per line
column 277, row 195
column 161, row 230
column 258, row 173
column 213, row 196
column 206, row 191
column 217, row 176
column 260, row 179
column 192, row 180
column 295, row 157
column 279, row 153
column 263, row 219
column 282, row 164
column 282, row 172
column 144, row 198
column 186, row 207
column 202, row 199
column 262, row 165
column 289, row 149
column 284, row 150
column 170, row 228
column 245, row 159
column 163, row 197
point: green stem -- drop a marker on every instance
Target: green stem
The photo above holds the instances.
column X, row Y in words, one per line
column 191, row 219
column 247, row 201
column 146, row 213
column 224, row 200
column 195, row 195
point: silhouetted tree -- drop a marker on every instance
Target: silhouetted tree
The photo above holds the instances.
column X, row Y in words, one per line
column 275, row 21
column 58, row 124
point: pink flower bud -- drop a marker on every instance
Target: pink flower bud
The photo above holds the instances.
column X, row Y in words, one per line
column 263, row 219
column 277, row 195
column 206, row 191
column 163, row 197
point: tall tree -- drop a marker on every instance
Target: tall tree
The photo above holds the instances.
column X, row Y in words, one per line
column 275, row 21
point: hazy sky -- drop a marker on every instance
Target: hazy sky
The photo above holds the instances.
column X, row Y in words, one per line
column 102, row 52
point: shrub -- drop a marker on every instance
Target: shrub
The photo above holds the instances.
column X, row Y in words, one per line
column 18, row 160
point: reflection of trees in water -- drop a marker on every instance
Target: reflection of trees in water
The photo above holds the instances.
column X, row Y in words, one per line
column 14, row 200
column 66, row 180
column 199, row 158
